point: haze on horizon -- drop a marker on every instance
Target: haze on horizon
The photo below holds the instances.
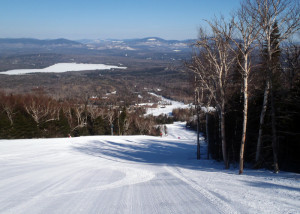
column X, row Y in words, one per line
column 117, row 19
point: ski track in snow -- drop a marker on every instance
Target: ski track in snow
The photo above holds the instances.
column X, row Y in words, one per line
column 215, row 201
column 134, row 174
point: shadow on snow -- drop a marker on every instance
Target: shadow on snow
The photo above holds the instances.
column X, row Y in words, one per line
column 181, row 153
column 147, row 151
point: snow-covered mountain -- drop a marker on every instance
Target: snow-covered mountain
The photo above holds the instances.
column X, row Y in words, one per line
column 149, row 43
column 146, row 48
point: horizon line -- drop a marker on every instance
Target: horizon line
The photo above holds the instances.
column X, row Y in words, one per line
column 155, row 37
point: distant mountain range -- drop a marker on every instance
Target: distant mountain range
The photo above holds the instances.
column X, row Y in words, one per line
column 147, row 39
column 29, row 41
column 151, row 48
column 150, row 43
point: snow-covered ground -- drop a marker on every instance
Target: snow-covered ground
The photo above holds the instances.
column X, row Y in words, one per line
column 134, row 174
column 165, row 106
column 62, row 67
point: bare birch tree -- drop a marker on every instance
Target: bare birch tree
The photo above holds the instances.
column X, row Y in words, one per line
column 110, row 115
column 41, row 109
column 81, row 116
column 248, row 31
column 212, row 65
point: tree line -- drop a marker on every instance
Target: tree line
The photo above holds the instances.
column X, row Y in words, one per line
column 37, row 115
column 248, row 69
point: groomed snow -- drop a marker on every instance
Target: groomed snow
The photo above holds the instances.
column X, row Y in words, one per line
column 63, row 67
column 134, row 174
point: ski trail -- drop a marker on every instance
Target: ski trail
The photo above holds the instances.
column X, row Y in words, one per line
column 132, row 176
column 177, row 129
column 219, row 204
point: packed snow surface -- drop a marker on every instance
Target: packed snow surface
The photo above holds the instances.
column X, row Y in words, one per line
column 63, row 67
column 134, row 174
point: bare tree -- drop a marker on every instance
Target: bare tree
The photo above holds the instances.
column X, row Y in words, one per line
column 212, row 65
column 248, row 31
column 110, row 115
column 147, row 125
column 197, row 108
column 8, row 104
column 41, row 109
column 81, row 116
column 95, row 111
column 67, row 109
column 127, row 123
column 139, row 123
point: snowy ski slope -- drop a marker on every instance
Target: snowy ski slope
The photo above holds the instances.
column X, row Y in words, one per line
column 133, row 174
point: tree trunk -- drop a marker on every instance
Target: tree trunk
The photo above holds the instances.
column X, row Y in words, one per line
column 262, row 119
column 207, row 132
column 119, row 128
column 198, row 124
column 274, row 134
column 245, row 118
column 223, row 139
column 198, row 135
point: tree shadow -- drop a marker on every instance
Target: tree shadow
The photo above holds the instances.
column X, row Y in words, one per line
column 163, row 151
column 268, row 185
column 147, row 151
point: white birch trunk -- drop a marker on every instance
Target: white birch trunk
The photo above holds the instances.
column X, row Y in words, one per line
column 245, row 118
column 262, row 119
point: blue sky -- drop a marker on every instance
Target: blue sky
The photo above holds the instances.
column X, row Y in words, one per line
column 119, row 19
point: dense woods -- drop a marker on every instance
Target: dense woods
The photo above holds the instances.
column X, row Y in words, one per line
column 248, row 68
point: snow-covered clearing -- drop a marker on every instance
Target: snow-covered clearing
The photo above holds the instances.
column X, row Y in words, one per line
column 134, row 174
column 63, row 67
column 165, row 106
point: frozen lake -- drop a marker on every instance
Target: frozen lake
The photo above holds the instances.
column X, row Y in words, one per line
column 63, row 67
